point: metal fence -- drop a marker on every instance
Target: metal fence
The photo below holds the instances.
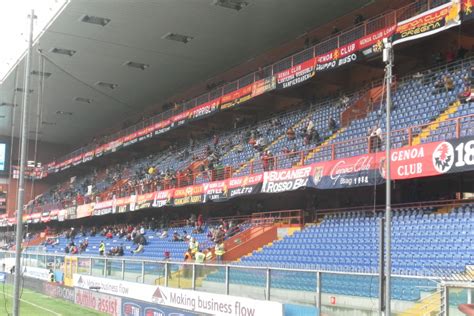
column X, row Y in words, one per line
column 302, row 285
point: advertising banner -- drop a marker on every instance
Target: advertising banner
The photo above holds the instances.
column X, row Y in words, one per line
column 244, row 185
column 58, row 291
column 140, row 308
column 104, row 303
column 296, row 74
column 198, row 302
column 36, row 273
column 430, row 22
column 215, row 191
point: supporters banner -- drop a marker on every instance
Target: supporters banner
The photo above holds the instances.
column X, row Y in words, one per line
column 296, row 74
column 103, row 208
column 162, row 127
column 205, row 109
column 263, row 85
column 121, row 205
column 195, row 301
column 70, row 212
column 286, row 179
column 372, row 44
column 431, row 159
column 99, row 151
column 130, row 139
column 77, row 160
column 214, row 191
column 236, row 97
column 163, row 198
column 88, row 156
column 181, row 118
column 244, row 185
column 188, row 195
column 430, row 22
column 467, row 7
column 85, row 210
column 338, row 58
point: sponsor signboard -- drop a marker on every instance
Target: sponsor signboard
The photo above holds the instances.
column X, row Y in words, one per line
column 36, row 273
column 140, row 308
column 58, row 291
column 104, row 303
column 198, row 302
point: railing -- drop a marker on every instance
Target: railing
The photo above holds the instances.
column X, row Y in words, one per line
column 330, row 151
column 268, row 283
column 336, row 40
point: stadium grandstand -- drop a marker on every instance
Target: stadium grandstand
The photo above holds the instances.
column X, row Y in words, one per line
column 237, row 157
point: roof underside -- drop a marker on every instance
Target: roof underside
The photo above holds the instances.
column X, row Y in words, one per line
column 221, row 38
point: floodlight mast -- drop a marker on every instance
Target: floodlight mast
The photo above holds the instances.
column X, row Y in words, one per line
column 21, row 176
column 388, row 59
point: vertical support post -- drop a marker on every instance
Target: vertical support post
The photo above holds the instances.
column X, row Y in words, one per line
column 410, row 136
column 381, row 266
column 458, row 128
column 21, row 177
column 445, row 303
column 90, row 266
column 227, row 287
column 193, row 281
column 319, row 286
column 388, row 58
column 143, row 271
column 268, row 284
column 105, row 267
column 123, row 269
column 167, row 271
column 469, row 296
column 333, row 152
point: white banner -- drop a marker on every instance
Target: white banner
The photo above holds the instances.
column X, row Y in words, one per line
column 36, row 273
column 202, row 302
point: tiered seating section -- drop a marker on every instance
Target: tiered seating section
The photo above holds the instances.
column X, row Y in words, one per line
column 416, row 103
column 155, row 248
column 425, row 243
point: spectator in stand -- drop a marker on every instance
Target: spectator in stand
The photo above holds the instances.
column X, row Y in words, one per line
column 102, row 248
column 265, row 161
column 448, row 83
column 83, row 245
column 450, row 55
column 200, row 221
column 193, row 245
column 164, row 234
column 166, row 255
column 290, row 133
column 139, row 249
column 375, row 139
column 66, row 249
column 176, row 236
column 109, row 234
column 359, row 18
column 74, row 249
column 208, row 255
column 219, row 251
column 332, row 126
column 344, row 101
column 120, row 251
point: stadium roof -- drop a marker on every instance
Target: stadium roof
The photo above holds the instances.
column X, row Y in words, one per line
column 108, row 60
